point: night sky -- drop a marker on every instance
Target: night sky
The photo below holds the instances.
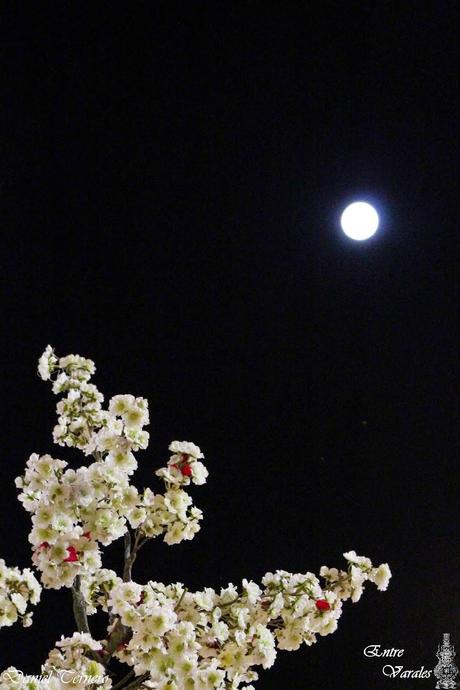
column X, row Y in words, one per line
column 173, row 178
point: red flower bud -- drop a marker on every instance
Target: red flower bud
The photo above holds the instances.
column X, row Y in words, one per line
column 187, row 470
column 72, row 557
column 323, row 605
column 44, row 545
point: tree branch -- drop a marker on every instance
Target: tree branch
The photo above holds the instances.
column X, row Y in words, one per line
column 138, row 681
column 79, row 607
column 79, row 613
column 130, row 552
column 125, row 678
column 129, row 560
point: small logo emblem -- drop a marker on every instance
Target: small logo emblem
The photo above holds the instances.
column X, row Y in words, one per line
column 446, row 670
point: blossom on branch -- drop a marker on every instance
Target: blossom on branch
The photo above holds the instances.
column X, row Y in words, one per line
column 168, row 637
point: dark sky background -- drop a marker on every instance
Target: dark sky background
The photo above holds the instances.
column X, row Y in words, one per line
column 173, row 177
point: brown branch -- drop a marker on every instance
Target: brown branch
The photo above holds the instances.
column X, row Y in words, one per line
column 125, row 678
column 79, row 607
column 128, row 555
column 79, row 613
column 137, row 682
column 130, row 552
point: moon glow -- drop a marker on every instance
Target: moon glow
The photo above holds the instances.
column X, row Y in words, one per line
column 359, row 221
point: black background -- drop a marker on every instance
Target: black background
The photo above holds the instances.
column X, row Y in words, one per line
column 172, row 185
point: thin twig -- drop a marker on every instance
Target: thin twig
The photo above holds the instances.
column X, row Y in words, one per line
column 137, row 682
column 130, row 552
column 79, row 607
column 179, row 602
column 128, row 557
column 123, row 680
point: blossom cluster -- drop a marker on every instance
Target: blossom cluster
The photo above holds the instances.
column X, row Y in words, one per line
column 76, row 511
column 179, row 640
column 82, row 423
column 206, row 640
column 77, row 656
column 73, row 511
column 72, row 663
column 184, row 465
column 173, row 512
column 17, row 590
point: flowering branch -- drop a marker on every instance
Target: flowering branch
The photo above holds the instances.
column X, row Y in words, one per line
column 168, row 637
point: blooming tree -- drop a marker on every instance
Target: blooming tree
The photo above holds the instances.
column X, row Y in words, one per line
column 166, row 637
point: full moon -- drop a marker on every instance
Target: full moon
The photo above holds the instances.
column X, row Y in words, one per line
column 359, row 220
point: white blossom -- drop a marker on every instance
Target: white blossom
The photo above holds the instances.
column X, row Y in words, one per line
column 47, row 363
column 18, row 589
column 381, row 576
